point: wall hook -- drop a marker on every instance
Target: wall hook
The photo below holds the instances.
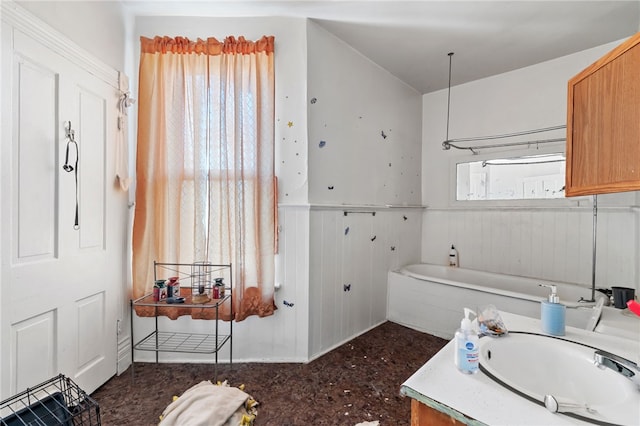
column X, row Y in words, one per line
column 69, row 132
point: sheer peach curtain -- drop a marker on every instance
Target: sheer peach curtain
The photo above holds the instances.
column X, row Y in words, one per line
column 205, row 163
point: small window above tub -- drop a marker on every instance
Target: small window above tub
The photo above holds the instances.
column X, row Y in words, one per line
column 496, row 178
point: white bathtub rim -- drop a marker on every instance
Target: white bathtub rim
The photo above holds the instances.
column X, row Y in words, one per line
column 485, row 289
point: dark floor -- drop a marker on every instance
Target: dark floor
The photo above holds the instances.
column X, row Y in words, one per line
column 357, row 382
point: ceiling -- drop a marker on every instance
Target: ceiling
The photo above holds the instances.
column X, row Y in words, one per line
column 412, row 39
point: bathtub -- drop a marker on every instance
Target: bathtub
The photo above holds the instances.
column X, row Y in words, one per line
column 431, row 298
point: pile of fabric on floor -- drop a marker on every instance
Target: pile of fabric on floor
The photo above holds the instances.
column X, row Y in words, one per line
column 207, row 404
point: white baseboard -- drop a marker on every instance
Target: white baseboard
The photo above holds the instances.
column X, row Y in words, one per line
column 348, row 339
column 124, row 355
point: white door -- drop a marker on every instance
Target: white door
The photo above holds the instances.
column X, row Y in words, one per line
column 60, row 285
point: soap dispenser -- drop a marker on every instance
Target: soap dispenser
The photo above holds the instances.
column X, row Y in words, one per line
column 466, row 352
column 552, row 313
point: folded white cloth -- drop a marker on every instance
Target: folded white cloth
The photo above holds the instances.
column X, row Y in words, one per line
column 204, row 404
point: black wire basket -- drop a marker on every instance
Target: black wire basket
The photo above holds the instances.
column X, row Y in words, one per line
column 57, row 401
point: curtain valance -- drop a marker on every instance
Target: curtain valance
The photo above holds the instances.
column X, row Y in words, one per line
column 210, row 46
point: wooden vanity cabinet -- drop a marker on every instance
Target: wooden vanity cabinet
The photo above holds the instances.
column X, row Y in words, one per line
column 423, row 415
column 603, row 124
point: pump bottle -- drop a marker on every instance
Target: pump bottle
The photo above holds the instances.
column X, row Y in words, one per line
column 466, row 346
column 453, row 257
column 552, row 313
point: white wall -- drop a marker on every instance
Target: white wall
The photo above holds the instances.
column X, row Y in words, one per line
column 96, row 26
column 550, row 239
column 295, row 332
column 351, row 103
column 283, row 336
column 369, row 122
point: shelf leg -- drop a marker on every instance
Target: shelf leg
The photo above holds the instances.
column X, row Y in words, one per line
column 156, row 317
column 132, row 342
column 215, row 367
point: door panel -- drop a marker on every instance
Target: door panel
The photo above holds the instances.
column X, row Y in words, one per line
column 64, row 284
column 34, row 147
column 92, row 134
column 34, row 351
column 90, row 314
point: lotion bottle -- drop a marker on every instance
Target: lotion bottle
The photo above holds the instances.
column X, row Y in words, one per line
column 453, row 257
column 466, row 351
column 552, row 313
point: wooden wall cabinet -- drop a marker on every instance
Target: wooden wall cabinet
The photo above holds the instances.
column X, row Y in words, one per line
column 603, row 124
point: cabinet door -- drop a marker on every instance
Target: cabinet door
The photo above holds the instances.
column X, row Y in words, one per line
column 603, row 124
column 423, row 415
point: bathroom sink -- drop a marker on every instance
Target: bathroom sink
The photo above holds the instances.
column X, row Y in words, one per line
column 537, row 366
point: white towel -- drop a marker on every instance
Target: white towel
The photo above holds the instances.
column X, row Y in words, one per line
column 122, row 136
column 204, row 404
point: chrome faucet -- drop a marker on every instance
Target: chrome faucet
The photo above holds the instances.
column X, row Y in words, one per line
column 627, row 368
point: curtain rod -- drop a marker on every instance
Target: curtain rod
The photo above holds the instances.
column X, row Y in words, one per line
column 448, row 143
column 452, row 143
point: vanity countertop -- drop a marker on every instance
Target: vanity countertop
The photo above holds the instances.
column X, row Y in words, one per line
column 477, row 400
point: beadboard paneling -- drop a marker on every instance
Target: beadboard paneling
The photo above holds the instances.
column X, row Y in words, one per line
column 354, row 251
column 550, row 244
column 281, row 337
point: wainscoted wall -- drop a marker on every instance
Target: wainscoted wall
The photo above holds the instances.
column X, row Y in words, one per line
column 363, row 155
column 350, row 255
column 282, row 337
column 547, row 239
column 552, row 244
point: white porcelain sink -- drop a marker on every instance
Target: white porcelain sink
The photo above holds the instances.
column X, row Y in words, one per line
column 534, row 366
